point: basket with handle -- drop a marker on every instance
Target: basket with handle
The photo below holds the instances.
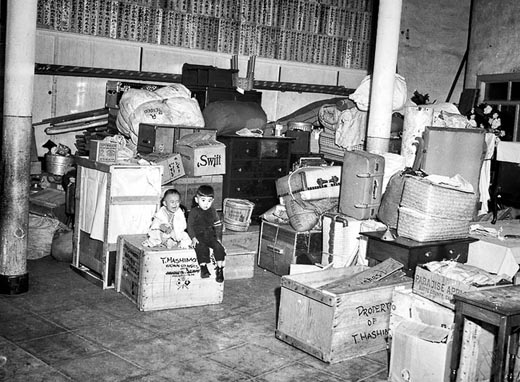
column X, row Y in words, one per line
column 237, row 214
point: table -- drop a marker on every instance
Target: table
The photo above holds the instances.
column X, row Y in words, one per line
column 499, row 307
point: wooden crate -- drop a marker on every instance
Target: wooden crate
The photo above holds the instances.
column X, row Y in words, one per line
column 160, row 278
column 248, row 239
column 111, row 200
column 187, row 186
column 240, row 262
column 281, row 246
column 338, row 323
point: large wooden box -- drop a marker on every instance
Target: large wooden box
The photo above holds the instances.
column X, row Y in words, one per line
column 335, row 324
column 110, row 200
column 240, row 262
column 280, row 246
column 160, row 278
column 248, row 239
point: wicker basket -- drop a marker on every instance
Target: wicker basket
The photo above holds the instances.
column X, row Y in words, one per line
column 419, row 226
column 437, row 201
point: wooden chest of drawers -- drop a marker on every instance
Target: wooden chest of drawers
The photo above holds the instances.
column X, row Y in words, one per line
column 412, row 253
column 252, row 166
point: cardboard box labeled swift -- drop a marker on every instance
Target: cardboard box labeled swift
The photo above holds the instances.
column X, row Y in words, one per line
column 171, row 164
column 202, row 154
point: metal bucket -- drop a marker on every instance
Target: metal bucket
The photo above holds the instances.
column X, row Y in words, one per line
column 58, row 164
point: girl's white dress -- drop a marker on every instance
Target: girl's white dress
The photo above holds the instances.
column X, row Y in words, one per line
column 175, row 221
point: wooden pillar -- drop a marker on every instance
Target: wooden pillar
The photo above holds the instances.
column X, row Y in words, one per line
column 383, row 76
column 16, row 144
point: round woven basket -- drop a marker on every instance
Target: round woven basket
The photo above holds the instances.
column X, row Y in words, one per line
column 419, row 226
column 437, row 201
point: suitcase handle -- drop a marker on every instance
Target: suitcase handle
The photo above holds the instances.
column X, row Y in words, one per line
column 375, row 189
column 366, row 205
column 368, row 175
column 274, row 249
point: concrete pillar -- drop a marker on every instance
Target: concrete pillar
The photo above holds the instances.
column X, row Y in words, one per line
column 383, row 76
column 16, row 144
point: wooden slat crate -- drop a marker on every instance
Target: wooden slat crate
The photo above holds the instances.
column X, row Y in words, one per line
column 338, row 322
column 110, row 200
column 240, row 262
column 160, row 278
column 248, row 239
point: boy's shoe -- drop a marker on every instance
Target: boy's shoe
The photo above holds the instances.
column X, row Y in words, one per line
column 204, row 273
column 219, row 274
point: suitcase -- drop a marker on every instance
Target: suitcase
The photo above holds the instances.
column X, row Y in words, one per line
column 361, row 180
column 340, row 242
column 311, row 183
column 451, row 151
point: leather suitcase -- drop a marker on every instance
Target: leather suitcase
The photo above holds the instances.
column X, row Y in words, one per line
column 451, row 151
column 361, row 180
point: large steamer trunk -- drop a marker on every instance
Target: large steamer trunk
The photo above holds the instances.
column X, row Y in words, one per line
column 450, row 151
column 361, row 182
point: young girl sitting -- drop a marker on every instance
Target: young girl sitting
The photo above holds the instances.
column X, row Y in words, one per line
column 168, row 226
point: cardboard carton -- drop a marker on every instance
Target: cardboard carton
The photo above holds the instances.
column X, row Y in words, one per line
column 420, row 352
column 103, row 151
column 421, row 332
column 171, row 164
column 202, row 154
column 437, row 287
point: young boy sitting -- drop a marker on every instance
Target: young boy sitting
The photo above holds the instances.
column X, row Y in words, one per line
column 205, row 230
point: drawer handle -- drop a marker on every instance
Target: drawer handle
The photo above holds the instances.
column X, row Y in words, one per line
column 451, row 252
column 280, row 169
column 428, row 254
column 238, row 189
column 247, row 151
column 239, row 170
column 275, row 250
column 275, row 151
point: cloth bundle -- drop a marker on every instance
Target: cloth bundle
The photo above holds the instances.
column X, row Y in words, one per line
column 167, row 105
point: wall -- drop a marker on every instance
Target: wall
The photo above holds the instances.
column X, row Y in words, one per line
column 495, row 36
column 432, row 44
column 59, row 95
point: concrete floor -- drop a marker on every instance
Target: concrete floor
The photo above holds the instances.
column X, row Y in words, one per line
column 67, row 329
